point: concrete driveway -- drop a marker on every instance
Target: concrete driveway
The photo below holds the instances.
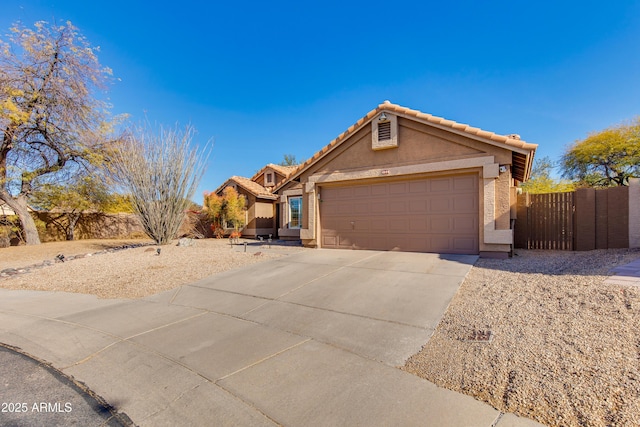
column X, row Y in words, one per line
column 314, row 338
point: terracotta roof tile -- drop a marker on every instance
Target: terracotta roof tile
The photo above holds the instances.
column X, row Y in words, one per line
column 249, row 185
column 282, row 170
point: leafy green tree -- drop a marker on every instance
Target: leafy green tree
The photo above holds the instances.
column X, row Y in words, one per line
column 541, row 180
column 607, row 158
column 51, row 124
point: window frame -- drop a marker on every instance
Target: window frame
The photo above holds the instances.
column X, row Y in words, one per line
column 291, row 212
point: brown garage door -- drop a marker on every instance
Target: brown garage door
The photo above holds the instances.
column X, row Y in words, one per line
column 438, row 214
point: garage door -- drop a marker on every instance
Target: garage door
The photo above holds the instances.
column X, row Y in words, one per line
column 438, row 214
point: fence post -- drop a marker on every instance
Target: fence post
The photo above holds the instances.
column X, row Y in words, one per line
column 634, row 212
column 585, row 219
column 521, row 228
column 618, row 217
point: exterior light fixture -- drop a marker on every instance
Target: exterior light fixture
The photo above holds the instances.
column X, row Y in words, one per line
column 382, row 117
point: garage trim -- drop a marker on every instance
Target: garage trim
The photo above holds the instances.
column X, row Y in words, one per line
column 490, row 171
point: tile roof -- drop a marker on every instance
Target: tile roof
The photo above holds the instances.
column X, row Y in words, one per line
column 512, row 141
column 282, row 170
column 251, row 186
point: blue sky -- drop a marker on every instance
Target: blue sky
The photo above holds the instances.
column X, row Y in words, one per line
column 264, row 79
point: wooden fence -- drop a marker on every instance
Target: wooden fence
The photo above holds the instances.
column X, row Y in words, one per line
column 545, row 221
column 582, row 220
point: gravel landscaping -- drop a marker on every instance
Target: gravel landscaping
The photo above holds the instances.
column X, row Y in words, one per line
column 542, row 336
column 104, row 269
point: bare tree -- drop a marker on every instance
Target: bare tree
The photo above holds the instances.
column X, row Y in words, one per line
column 161, row 172
column 50, row 121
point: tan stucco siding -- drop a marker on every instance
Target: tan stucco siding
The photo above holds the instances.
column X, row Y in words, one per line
column 503, row 201
column 264, row 215
column 250, row 206
column 417, row 143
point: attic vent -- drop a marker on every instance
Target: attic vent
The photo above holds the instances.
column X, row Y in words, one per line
column 384, row 131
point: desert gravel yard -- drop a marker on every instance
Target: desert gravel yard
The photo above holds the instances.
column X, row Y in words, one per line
column 128, row 273
column 564, row 347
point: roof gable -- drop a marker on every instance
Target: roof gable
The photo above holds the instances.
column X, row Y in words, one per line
column 252, row 187
column 522, row 151
column 284, row 171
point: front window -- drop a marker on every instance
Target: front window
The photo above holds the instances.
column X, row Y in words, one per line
column 295, row 212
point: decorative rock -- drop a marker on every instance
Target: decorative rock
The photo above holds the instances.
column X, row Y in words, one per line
column 185, row 241
column 9, row 272
column 5, row 242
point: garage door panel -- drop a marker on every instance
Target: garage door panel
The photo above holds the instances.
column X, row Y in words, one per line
column 464, row 225
column 379, row 207
column 465, row 183
column 345, row 209
column 463, row 244
column 418, row 225
column 362, row 191
column 398, row 207
column 379, row 190
column 379, row 226
column 439, row 224
column 427, row 215
column 440, row 185
column 418, row 187
column 362, row 225
column 418, row 206
column 439, row 205
column 361, row 208
column 440, row 244
column 464, row 204
column 398, row 188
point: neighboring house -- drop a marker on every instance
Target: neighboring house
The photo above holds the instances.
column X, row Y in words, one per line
column 399, row 179
column 261, row 218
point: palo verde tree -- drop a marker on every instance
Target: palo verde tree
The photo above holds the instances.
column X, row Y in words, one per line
column 289, row 160
column 607, row 158
column 160, row 171
column 541, row 180
column 51, row 124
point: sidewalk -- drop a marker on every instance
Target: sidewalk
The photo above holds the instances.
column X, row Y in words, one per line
column 626, row 275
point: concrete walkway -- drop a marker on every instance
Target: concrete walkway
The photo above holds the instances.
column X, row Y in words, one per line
column 314, row 338
column 626, row 275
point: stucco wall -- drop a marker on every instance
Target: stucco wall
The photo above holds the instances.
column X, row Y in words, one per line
column 421, row 145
